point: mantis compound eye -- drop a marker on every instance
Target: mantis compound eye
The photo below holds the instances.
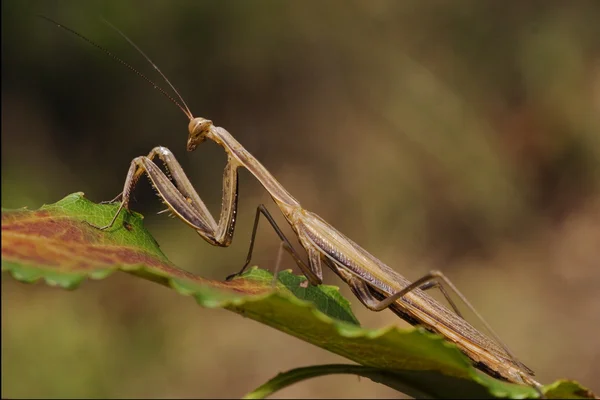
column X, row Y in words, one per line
column 198, row 130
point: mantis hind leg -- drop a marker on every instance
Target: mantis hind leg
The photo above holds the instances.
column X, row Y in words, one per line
column 437, row 285
column 363, row 291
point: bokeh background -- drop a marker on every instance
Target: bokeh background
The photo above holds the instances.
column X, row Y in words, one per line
column 461, row 136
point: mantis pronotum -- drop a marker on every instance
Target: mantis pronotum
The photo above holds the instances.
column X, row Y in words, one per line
column 375, row 284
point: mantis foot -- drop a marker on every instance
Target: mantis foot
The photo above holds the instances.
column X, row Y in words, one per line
column 101, row 228
column 230, row 277
column 117, row 198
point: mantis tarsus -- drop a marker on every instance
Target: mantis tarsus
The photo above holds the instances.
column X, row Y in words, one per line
column 376, row 285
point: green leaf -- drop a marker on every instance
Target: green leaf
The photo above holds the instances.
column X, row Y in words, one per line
column 417, row 385
column 56, row 244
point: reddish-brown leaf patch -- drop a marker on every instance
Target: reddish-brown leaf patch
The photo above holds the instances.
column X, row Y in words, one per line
column 59, row 239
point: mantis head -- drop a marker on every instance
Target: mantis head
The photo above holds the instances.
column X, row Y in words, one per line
column 199, row 128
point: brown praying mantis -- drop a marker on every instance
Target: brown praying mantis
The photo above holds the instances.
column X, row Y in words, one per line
column 376, row 285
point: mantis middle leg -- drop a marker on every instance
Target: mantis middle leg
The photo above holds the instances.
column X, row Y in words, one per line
column 312, row 271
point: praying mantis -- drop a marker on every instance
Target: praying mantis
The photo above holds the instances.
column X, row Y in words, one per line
column 376, row 285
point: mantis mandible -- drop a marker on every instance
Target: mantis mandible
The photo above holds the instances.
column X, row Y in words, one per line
column 376, row 285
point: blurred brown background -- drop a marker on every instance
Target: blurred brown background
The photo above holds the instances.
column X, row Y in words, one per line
column 462, row 136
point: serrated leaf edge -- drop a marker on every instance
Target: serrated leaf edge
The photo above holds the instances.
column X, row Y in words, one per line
column 343, row 329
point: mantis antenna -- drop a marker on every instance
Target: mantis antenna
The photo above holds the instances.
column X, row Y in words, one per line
column 116, row 58
column 188, row 113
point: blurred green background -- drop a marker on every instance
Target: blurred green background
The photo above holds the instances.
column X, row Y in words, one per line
column 461, row 136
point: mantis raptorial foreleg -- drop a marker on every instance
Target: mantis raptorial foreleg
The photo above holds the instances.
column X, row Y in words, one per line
column 182, row 199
